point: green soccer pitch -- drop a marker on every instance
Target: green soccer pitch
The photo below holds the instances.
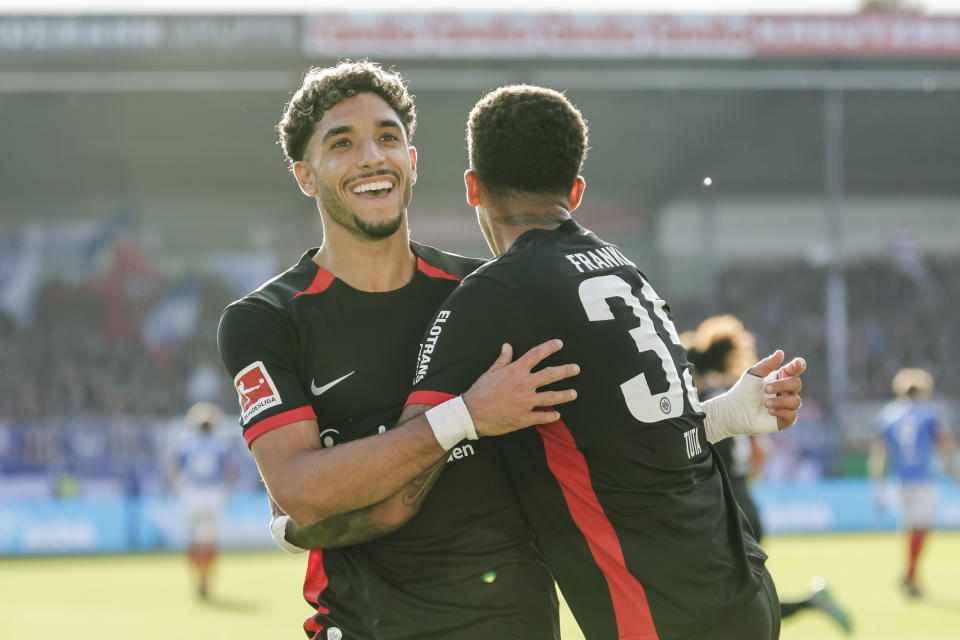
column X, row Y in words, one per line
column 257, row 595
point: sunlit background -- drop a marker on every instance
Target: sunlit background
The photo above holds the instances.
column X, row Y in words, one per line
column 797, row 167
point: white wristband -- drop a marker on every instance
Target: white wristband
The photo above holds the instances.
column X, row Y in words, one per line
column 278, row 529
column 740, row 411
column 451, row 423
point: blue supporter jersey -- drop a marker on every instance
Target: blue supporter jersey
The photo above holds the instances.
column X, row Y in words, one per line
column 202, row 460
column 910, row 430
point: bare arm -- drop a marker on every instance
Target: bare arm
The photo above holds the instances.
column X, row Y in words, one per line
column 876, row 467
column 311, row 483
column 370, row 522
column 877, row 460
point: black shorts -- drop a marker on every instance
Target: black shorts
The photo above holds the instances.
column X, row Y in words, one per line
column 759, row 619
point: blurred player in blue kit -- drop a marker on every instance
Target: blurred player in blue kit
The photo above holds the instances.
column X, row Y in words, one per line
column 201, row 473
column 912, row 431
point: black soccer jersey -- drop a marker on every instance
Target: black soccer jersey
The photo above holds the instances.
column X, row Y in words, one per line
column 735, row 452
column 306, row 345
column 627, row 500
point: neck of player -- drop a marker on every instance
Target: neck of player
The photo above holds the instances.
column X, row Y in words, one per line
column 505, row 216
column 504, row 224
column 367, row 265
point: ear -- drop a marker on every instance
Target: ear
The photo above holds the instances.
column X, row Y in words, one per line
column 472, row 183
column 413, row 165
column 305, row 177
column 576, row 193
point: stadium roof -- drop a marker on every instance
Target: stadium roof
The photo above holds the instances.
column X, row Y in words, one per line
column 495, row 35
column 743, row 7
column 176, row 113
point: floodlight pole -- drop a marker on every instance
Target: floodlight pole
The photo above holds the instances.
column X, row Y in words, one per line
column 836, row 299
column 709, row 238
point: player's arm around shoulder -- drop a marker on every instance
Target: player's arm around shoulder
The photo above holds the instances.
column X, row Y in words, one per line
column 504, row 398
column 364, row 524
column 357, row 526
column 361, row 525
column 309, row 482
column 312, row 483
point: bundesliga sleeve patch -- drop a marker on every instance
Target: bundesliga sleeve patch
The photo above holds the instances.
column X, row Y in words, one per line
column 256, row 390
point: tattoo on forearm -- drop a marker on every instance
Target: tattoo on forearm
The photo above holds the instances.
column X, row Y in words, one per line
column 363, row 524
column 335, row 531
column 418, row 488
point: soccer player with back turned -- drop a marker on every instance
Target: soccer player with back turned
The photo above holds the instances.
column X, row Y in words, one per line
column 912, row 432
column 628, row 501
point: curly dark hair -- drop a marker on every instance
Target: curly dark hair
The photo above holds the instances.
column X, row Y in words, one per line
column 720, row 344
column 324, row 88
column 527, row 139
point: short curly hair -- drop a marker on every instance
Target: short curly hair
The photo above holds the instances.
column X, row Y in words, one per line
column 526, row 139
column 324, row 88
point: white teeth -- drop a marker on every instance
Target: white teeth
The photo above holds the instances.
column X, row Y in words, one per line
column 373, row 186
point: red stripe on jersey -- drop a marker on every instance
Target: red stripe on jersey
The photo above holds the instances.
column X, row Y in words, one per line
column 433, row 398
column 313, row 585
column 569, row 467
column 312, row 627
column 434, row 272
column 321, row 281
column 279, row 420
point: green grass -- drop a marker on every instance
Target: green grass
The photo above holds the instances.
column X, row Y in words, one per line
column 257, row 595
column 862, row 572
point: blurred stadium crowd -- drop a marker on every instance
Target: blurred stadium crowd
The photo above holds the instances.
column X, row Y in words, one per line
column 112, row 352
column 900, row 314
column 99, row 359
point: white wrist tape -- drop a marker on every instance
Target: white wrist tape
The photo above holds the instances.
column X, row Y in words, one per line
column 278, row 529
column 740, row 410
column 451, row 423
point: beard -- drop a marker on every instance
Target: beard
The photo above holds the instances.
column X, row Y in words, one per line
column 340, row 213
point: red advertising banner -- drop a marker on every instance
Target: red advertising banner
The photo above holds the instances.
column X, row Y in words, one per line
column 869, row 35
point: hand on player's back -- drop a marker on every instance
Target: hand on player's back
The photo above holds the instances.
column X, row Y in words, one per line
column 506, row 397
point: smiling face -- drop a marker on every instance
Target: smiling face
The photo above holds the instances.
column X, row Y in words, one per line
column 360, row 167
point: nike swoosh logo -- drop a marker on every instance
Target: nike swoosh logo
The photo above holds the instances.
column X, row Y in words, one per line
column 318, row 390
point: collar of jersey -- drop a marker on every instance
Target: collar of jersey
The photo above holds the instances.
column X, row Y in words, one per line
column 568, row 226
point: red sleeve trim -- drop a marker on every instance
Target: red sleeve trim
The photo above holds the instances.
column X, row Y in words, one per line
column 321, row 281
column 279, row 420
column 433, row 271
column 433, row 398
